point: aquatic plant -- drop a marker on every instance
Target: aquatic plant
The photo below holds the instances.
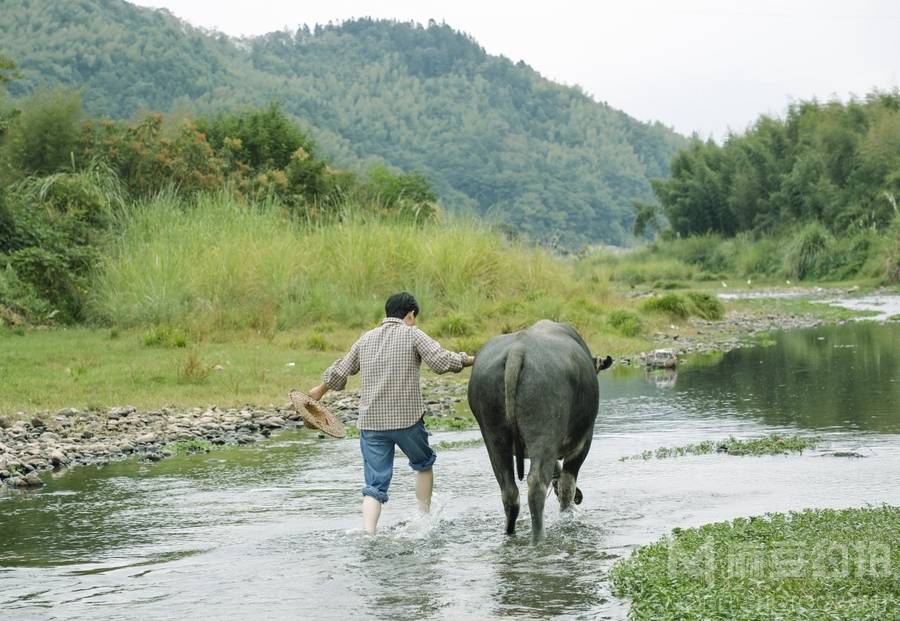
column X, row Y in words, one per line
column 773, row 444
column 811, row 564
column 452, row 445
column 193, row 445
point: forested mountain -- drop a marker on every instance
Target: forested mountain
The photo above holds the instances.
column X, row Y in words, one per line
column 489, row 134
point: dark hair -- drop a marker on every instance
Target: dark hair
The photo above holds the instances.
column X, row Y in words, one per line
column 399, row 304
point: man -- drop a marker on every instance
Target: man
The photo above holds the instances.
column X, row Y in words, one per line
column 391, row 406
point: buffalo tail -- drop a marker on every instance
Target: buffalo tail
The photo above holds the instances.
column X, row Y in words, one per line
column 514, row 360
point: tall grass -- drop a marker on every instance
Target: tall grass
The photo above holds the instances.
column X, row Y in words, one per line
column 809, row 252
column 802, row 252
column 220, row 263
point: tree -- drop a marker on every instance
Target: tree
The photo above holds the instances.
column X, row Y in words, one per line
column 44, row 137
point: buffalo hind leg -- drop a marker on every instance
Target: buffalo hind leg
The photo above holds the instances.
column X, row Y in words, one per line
column 567, row 490
column 539, row 476
column 557, row 470
column 502, row 462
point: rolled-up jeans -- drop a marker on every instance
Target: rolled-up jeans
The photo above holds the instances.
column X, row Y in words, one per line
column 377, row 449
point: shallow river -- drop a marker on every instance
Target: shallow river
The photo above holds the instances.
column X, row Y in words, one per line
column 272, row 531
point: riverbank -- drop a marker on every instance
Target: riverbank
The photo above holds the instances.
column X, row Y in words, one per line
column 32, row 443
column 72, row 437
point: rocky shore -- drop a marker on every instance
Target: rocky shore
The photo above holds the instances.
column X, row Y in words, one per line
column 70, row 437
column 735, row 331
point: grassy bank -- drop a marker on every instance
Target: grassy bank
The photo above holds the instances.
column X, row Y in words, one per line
column 217, row 300
column 807, row 253
column 210, row 300
column 813, row 564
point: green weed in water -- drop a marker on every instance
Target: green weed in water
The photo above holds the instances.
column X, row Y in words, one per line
column 458, row 444
column 773, row 444
column 453, row 422
column 811, row 564
column 194, row 445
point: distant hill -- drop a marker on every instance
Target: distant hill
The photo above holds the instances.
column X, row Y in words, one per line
column 492, row 136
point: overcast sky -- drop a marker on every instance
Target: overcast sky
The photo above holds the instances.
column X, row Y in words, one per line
column 699, row 66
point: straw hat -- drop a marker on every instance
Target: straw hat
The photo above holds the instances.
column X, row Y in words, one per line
column 315, row 415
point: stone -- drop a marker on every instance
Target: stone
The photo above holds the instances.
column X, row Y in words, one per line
column 33, row 480
column 67, row 412
column 121, row 412
column 58, row 458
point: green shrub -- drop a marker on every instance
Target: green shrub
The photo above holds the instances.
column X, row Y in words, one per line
column 670, row 303
column 668, row 285
column 704, row 251
column 317, row 342
column 193, row 370
column 263, row 139
column 625, row 322
column 705, row 305
column 809, row 253
column 762, row 258
column 891, row 267
column 19, row 301
column 454, row 325
column 44, row 137
column 468, row 345
column 165, row 336
column 53, row 227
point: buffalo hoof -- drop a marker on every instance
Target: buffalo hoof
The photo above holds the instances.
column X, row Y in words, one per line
column 578, row 495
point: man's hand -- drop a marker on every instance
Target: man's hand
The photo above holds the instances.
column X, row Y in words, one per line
column 470, row 360
column 318, row 392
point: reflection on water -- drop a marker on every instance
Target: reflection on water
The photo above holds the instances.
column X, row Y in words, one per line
column 833, row 377
column 273, row 529
column 661, row 378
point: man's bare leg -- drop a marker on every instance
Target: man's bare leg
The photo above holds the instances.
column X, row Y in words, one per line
column 371, row 511
column 424, row 486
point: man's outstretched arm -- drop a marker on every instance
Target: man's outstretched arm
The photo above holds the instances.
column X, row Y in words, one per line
column 335, row 376
column 436, row 357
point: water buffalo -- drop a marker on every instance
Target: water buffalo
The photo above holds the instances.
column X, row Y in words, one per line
column 535, row 394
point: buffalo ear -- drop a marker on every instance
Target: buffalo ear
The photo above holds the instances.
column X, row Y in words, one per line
column 602, row 363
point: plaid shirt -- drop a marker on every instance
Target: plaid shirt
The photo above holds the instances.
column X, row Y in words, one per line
column 389, row 358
